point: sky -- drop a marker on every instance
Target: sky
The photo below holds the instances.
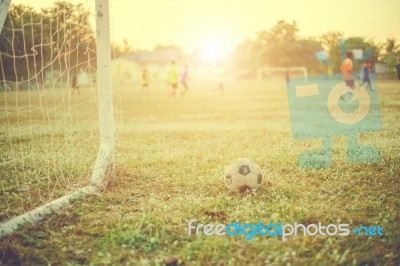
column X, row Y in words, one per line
column 218, row 26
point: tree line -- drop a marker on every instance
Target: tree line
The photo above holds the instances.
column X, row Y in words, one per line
column 56, row 41
column 59, row 39
column 281, row 46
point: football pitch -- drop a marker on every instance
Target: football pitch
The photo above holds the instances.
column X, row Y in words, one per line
column 171, row 156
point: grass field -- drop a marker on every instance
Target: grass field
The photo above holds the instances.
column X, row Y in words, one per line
column 171, row 156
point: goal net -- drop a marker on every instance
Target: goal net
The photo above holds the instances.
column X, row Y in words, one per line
column 282, row 72
column 53, row 102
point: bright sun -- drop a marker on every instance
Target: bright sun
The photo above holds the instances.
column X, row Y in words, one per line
column 212, row 50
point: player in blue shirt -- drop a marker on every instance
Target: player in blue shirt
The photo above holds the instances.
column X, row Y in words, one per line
column 365, row 75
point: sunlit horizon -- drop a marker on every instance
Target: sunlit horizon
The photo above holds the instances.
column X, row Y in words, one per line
column 216, row 28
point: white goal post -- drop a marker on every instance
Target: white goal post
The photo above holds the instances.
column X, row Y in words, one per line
column 261, row 71
column 105, row 159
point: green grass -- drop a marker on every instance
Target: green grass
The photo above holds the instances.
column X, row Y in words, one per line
column 171, row 157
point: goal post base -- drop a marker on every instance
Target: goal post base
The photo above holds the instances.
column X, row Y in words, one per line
column 104, row 161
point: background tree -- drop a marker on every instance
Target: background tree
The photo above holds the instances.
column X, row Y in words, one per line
column 72, row 37
column 371, row 51
column 391, row 54
column 330, row 39
column 279, row 44
column 58, row 38
column 15, row 45
column 118, row 50
column 279, row 47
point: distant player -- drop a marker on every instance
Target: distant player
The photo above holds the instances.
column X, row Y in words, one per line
column 219, row 75
column 398, row 70
column 347, row 71
column 145, row 82
column 287, row 75
column 172, row 79
column 366, row 69
column 75, row 85
column 221, row 87
column 184, row 80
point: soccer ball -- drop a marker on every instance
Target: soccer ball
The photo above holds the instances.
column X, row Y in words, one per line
column 243, row 175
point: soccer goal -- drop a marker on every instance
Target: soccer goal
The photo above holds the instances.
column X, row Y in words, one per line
column 268, row 72
column 56, row 108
